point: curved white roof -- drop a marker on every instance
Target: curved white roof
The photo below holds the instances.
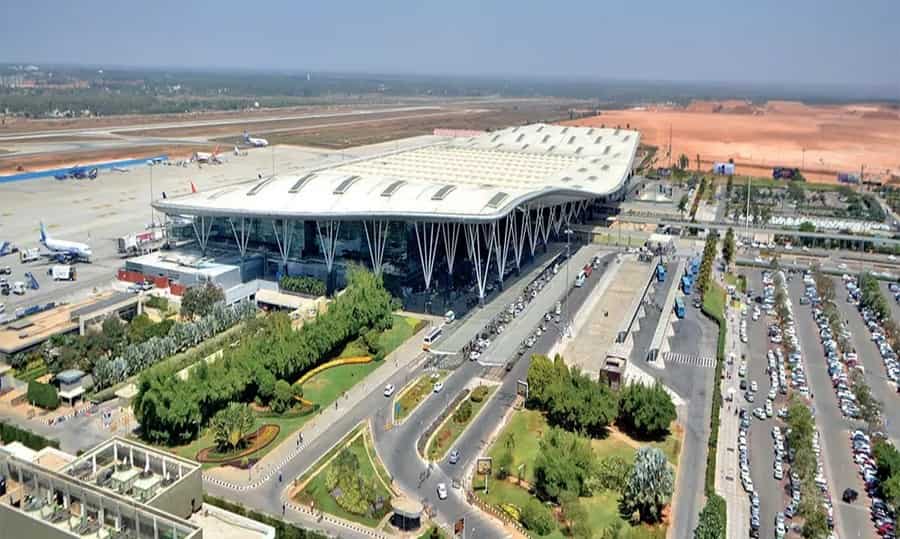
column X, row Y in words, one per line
column 475, row 178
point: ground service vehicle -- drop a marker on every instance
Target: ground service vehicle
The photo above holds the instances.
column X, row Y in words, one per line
column 61, row 272
column 140, row 242
column 29, row 255
column 18, row 288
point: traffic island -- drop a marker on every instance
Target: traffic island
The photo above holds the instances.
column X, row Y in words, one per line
column 456, row 422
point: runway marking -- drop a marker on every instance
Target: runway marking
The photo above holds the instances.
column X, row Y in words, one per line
column 694, row 360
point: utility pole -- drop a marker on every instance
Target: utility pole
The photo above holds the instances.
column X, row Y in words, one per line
column 152, row 214
column 748, row 208
column 273, row 160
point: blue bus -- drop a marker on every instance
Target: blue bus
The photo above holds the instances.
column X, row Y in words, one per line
column 687, row 285
column 660, row 273
column 679, row 307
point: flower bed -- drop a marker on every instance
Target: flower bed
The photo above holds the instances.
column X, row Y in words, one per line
column 260, row 439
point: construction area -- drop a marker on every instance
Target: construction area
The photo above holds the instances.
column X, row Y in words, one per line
column 821, row 140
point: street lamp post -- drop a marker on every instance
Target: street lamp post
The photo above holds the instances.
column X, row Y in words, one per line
column 152, row 214
column 568, row 233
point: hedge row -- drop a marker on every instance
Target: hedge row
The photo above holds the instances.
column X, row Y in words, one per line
column 283, row 530
column 303, row 285
column 43, row 395
column 11, row 433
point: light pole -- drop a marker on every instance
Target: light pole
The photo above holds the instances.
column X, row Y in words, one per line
column 568, row 233
column 152, row 214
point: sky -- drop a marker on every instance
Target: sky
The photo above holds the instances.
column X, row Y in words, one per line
column 766, row 41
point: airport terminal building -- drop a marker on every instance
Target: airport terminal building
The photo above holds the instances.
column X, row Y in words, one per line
column 461, row 211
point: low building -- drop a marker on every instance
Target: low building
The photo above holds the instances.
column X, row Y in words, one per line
column 120, row 488
column 71, row 385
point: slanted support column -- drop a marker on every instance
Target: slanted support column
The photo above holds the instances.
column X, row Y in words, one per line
column 328, row 234
column 481, row 263
column 502, row 240
column 243, row 238
column 517, row 234
column 203, row 232
column 557, row 217
column 450, row 231
column 377, row 240
column 546, row 224
column 427, row 241
column 285, row 239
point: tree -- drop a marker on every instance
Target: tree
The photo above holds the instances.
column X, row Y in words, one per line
column 646, row 410
column 712, row 521
column 728, row 247
column 816, row 524
column 611, row 474
column 504, row 464
column 648, row 488
column 887, row 459
column 231, row 424
column 537, row 518
column 198, row 300
column 575, row 515
column 564, row 463
column 540, row 377
column 683, row 204
column 797, row 193
column 282, row 397
column 464, row 412
column 807, row 226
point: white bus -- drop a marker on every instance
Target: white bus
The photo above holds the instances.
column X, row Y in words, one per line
column 431, row 336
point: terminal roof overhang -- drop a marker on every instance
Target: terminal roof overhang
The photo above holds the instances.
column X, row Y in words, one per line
column 465, row 179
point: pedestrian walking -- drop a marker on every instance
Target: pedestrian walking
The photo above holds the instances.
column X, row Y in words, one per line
column 283, row 509
column 301, row 437
column 279, row 476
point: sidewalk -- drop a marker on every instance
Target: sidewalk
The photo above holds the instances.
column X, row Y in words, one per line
column 400, row 359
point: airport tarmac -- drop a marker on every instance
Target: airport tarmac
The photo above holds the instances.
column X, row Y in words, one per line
column 118, row 203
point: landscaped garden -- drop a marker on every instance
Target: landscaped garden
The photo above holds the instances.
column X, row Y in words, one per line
column 457, row 422
column 584, row 460
column 411, row 397
column 179, row 413
column 350, row 482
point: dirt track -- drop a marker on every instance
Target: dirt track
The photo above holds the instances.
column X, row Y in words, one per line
column 822, row 140
column 9, row 164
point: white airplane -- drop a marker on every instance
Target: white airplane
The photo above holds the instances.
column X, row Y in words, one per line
column 253, row 141
column 63, row 248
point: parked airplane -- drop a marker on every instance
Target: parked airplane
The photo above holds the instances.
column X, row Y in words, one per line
column 78, row 172
column 253, row 141
column 64, row 249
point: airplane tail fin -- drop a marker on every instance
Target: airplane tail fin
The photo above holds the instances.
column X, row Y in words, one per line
column 43, row 233
column 164, row 195
column 193, row 188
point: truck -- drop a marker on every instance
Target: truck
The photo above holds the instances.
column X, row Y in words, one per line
column 140, row 242
column 785, row 173
column 62, row 272
column 18, row 288
column 660, row 273
column 679, row 307
column 29, row 255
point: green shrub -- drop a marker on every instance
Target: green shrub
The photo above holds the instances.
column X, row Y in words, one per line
column 537, row 517
column 282, row 396
column 43, row 395
column 713, row 518
column 479, row 393
column 303, row 285
column 11, row 433
column 463, row 413
column 156, row 302
column 504, row 465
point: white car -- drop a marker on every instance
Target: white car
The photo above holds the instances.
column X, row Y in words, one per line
column 438, row 387
column 442, row 491
column 389, row 390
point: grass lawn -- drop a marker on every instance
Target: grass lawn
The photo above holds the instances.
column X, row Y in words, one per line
column 523, row 434
column 451, row 429
column 417, row 393
column 526, row 428
column 323, row 389
column 714, row 299
column 772, row 183
column 738, row 281
column 316, row 490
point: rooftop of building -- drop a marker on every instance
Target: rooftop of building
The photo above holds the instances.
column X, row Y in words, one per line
column 476, row 178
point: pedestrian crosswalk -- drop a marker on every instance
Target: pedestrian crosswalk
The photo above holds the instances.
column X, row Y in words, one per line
column 695, row 360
